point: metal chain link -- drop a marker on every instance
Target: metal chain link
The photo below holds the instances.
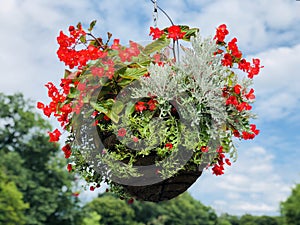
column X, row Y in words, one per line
column 155, row 14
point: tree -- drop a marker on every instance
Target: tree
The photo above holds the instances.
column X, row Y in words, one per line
column 225, row 218
column 181, row 210
column 113, row 211
column 32, row 163
column 290, row 209
column 92, row 218
column 184, row 209
column 12, row 206
column 248, row 219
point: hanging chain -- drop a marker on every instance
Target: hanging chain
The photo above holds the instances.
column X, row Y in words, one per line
column 155, row 14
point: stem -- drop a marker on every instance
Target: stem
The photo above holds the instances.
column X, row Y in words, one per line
column 96, row 39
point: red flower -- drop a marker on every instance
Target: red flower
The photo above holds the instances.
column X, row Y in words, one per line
column 135, row 139
column 248, row 135
column 65, row 84
column 228, row 162
column 221, row 33
column 54, row 136
column 67, row 150
column 204, row 149
column 250, row 95
column 234, row 48
column 97, row 71
column 175, row 32
column 116, row 44
column 254, row 69
column 156, row 33
column 106, row 118
column 237, row 89
column 40, row 105
column 122, row 132
column 69, row 167
column 81, row 86
column 130, row 201
column 169, row 146
column 232, row 100
column 244, row 65
column 92, row 188
column 236, row 133
column 220, row 149
column 110, row 72
column 253, row 129
column 152, row 104
column 47, row 111
column 227, row 60
column 218, row 170
column 140, row 106
column 243, row 106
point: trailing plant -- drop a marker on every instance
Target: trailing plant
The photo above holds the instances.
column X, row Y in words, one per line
column 124, row 104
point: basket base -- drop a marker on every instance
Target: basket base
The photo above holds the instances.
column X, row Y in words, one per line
column 166, row 189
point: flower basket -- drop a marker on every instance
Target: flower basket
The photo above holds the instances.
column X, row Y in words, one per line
column 147, row 120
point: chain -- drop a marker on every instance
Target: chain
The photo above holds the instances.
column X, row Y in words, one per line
column 155, row 14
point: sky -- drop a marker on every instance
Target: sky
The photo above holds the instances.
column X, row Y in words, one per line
column 267, row 167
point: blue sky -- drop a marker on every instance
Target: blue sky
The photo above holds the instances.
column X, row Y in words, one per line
column 268, row 167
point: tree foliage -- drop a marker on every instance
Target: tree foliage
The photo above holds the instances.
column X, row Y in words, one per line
column 113, row 211
column 290, row 209
column 181, row 210
column 32, row 164
column 12, row 206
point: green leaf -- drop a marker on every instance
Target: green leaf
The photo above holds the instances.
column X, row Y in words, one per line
column 157, row 45
column 67, row 73
column 118, row 107
column 79, row 26
column 109, row 107
column 73, row 93
column 113, row 116
column 189, row 33
column 124, row 82
column 103, row 106
column 92, row 24
column 82, row 39
column 134, row 73
column 129, row 108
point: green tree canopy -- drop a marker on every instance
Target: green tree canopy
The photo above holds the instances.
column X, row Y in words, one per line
column 113, row 211
column 12, row 206
column 32, row 163
column 181, row 210
column 290, row 209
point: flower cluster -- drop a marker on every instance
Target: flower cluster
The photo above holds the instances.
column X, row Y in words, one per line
column 173, row 32
column 100, row 71
column 68, row 53
column 218, row 168
column 234, row 55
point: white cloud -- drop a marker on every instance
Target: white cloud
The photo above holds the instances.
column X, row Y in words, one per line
column 251, row 185
column 278, row 84
column 256, row 23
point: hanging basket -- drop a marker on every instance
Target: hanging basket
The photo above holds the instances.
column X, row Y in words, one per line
column 128, row 108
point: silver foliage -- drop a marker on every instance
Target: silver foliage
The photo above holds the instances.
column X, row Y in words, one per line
column 195, row 83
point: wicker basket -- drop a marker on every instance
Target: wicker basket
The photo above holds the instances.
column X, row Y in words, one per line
column 163, row 190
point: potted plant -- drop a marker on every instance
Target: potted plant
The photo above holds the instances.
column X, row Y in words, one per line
column 147, row 120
